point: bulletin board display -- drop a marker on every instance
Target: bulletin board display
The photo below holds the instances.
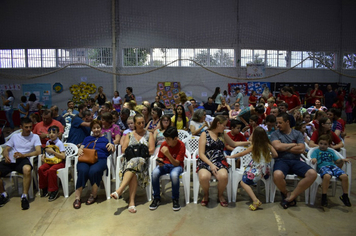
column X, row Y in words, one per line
column 247, row 88
column 168, row 92
column 42, row 92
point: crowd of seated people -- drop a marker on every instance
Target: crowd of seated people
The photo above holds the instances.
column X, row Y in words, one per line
column 126, row 123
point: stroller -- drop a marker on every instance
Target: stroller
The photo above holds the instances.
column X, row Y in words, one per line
column 2, row 126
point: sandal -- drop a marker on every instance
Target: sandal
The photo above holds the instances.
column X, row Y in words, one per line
column 224, row 203
column 132, row 209
column 114, row 195
column 255, row 205
column 91, row 199
column 77, row 204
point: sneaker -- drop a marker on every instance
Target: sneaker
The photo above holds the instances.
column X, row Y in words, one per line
column 24, row 203
column 4, row 200
column 155, row 203
column 345, row 200
column 324, row 202
column 176, row 206
column 44, row 192
column 53, row 196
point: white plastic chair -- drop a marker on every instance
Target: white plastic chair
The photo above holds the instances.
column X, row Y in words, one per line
column 196, row 183
column 182, row 135
column 106, row 176
column 184, row 178
column 314, row 188
column 14, row 175
column 119, row 163
column 237, row 173
column 15, row 132
column 293, row 177
column 191, row 143
column 66, row 132
column 114, row 160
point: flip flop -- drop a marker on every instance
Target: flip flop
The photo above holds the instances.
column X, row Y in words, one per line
column 204, row 203
column 114, row 195
column 224, row 203
column 132, row 209
column 91, row 200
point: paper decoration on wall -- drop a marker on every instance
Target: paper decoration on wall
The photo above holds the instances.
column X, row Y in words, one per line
column 168, row 91
column 254, row 70
column 232, row 86
column 81, row 91
column 246, row 88
column 42, row 92
column 58, row 87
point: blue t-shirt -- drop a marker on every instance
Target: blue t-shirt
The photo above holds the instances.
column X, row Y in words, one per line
column 100, row 145
column 294, row 136
column 324, row 158
column 77, row 133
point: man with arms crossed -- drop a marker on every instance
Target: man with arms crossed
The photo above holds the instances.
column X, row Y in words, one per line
column 289, row 144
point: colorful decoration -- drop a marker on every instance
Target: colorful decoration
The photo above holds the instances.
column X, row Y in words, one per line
column 58, row 87
column 168, row 91
column 82, row 91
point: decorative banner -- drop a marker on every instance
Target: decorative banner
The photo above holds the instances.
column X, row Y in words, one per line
column 168, row 91
column 254, row 70
column 42, row 92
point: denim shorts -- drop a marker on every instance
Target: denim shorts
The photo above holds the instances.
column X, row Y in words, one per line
column 296, row 166
column 332, row 170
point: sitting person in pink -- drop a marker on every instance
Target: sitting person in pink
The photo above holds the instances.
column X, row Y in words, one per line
column 109, row 126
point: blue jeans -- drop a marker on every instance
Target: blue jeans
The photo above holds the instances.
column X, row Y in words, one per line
column 9, row 118
column 174, row 172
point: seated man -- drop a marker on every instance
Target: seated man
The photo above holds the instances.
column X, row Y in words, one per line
column 80, row 127
column 170, row 161
column 70, row 105
column 18, row 149
column 289, row 144
column 210, row 106
column 56, row 116
column 41, row 128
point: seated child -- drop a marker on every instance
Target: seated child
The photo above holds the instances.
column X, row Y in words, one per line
column 248, row 130
column 259, row 167
column 130, row 124
column 236, row 136
column 270, row 125
column 326, row 158
column 53, row 159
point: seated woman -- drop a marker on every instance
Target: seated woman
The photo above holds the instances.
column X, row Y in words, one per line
column 252, row 100
column 154, row 123
column 198, row 123
column 92, row 172
column 234, row 113
column 316, row 107
column 179, row 120
column 211, row 158
column 325, row 128
column 109, row 126
column 135, row 171
column 146, row 112
column 223, row 106
column 158, row 134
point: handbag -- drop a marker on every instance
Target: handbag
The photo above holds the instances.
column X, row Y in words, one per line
column 89, row 155
column 52, row 160
column 136, row 150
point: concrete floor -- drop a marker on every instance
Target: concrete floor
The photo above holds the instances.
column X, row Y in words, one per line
column 110, row 217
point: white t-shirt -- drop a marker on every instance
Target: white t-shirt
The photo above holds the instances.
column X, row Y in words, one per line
column 59, row 144
column 22, row 144
column 11, row 103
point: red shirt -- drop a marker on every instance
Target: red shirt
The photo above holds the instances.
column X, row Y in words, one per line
column 334, row 137
column 268, row 110
column 260, row 119
column 318, row 93
column 42, row 128
column 237, row 138
column 342, row 122
column 252, row 100
column 316, row 124
column 177, row 152
column 280, row 98
column 292, row 101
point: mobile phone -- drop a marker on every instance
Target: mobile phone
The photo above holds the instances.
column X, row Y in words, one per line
column 159, row 161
